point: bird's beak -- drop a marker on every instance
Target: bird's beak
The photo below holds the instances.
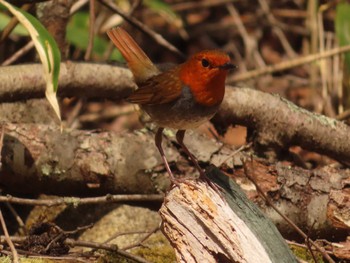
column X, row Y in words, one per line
column 227, row 66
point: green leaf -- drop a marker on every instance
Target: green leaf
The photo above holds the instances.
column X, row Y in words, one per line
column 47, row 49
column 78, row 36
column 342, row 27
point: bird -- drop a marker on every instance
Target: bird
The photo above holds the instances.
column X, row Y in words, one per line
column 182, row 97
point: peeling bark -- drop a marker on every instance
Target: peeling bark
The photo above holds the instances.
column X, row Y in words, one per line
column 316, row 200
column 54, row 15
column 41, row 159
column 203, row 227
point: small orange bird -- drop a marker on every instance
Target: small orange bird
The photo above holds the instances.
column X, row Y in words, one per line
column 182, row 97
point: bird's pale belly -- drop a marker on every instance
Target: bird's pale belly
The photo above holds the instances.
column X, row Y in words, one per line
column 182, row 114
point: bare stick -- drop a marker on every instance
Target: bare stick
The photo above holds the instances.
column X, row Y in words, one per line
column 23, row 229
column 155, row 36
column 8, row 239
column 19, row 53
column 278, row 31
column 91, row 31
column 291, row 63
column 189, row 5
column 138, row 243
column 113, row 248
column 79, row 201
column 12, row 24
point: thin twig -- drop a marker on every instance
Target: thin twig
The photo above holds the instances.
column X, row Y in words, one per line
column 132, row 20
column 8, row 239
column 77, row 5
column 19, row 53
column 308, row 244
column 23, row 229
column 1, row 142
column 79, row 201
column 291, row 63
column 290, row 222
column 12, row 24
column 90, row 46
column 112, row 248
column 251, row 45
column 73, row 114
column 242, row 148
column 118, row 234
column 343, row 116
column 79, row 229
column 138, row 243
column 188, row 5
column 278, row 31
column 305, row 246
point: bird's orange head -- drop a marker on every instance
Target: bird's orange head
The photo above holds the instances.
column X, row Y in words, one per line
column 205, row 74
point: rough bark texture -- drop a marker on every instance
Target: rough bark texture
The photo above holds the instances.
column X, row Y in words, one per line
column 41, row 159
column 276, row 122
column 204, row 226
column 317, row 201
column 54, row 16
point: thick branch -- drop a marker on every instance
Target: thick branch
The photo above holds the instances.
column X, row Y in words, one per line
column 41, row 159
column 90, row 80
column 278, row 123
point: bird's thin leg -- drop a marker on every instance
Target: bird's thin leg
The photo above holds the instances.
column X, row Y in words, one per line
column 180, row 139
column 158, row 140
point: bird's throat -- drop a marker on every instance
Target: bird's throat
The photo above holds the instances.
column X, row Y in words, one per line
column 206, row 90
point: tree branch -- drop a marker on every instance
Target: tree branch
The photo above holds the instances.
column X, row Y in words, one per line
column 277, row 123
column 92, row 80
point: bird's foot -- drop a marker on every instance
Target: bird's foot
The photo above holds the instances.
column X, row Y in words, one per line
column 187, row 181
column 218, row 189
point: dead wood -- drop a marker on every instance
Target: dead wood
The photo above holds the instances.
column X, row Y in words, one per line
column 276, row 123
column 41, row 159
column 204, row 226
column 317, row 201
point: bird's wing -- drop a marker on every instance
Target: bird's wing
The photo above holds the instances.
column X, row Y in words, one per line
column 138, row 62
column 160, row 89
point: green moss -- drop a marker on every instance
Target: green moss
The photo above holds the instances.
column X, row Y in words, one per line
column 304, row 253
column 5, row 260
column 46, row 169
column 111, row 257
column 157, row 249
column 72, row 201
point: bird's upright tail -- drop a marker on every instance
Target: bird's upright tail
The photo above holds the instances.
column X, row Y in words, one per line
column 138, row 62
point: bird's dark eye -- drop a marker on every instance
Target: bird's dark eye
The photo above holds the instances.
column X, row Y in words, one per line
column 205, row 63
